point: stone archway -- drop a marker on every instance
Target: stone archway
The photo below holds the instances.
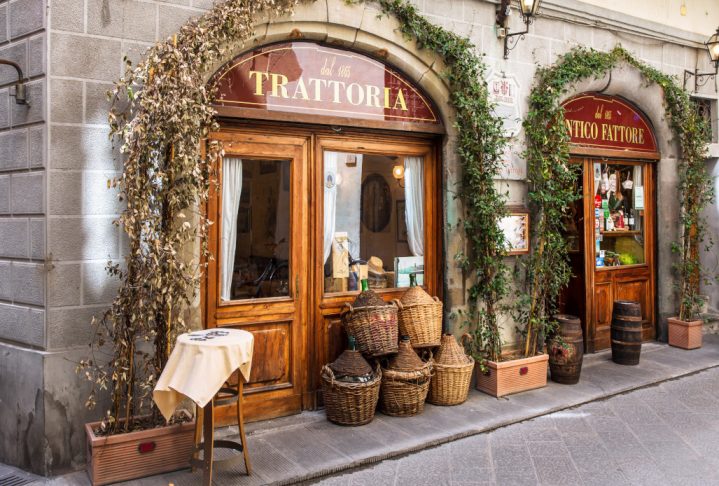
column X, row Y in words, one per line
column 629, row 83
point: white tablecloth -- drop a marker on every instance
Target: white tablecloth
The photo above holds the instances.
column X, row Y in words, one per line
column 200, row 364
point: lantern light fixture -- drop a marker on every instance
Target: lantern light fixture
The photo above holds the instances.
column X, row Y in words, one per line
column 529, row 10
column 700, row 79
column 398, row 174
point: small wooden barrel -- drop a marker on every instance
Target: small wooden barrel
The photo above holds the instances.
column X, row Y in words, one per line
column 626, row 332
column 565, row 361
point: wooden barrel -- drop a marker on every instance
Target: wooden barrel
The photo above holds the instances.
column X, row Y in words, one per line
column 626, row 332
column 565, row 360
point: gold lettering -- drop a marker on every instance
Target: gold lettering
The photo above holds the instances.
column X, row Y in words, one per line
column 327, row 70
column 351, row 96
column 594, row 131
column 598, row 112
column 606, row 132
column 335, row 85
column 278, row 84
column 400, row 101
column 259, row 76
column 386, row 98
column 373, row 96
column 318, row 83
column 301, row 89
column 641, row 136
column 568, row 124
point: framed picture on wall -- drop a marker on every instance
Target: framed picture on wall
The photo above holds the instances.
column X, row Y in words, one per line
column 401, row 223
column 516, row 231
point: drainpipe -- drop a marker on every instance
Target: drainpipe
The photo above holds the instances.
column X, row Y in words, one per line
column 20, row 93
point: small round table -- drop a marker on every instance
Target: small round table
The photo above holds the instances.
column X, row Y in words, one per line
column 198, row 368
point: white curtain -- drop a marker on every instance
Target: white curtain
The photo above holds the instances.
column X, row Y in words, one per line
column 231, row 190
column 414, row 203
column 330, row 200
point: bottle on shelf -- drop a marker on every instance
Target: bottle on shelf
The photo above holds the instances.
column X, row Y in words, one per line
column 631, row 220
column 412, row 279
column 365, row 284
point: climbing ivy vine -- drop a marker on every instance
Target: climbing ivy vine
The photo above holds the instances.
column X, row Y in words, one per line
column 162, row 111
column 552, row 180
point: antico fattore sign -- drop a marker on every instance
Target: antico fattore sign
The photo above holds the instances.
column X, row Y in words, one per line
column 311, row 79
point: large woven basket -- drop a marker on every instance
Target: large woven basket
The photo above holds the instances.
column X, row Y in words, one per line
column 420, row 317
column 348, row 403
column 452, row 374
column 374, row 328
column 405, row 382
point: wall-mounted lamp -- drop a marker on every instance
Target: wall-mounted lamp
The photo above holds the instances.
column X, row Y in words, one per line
column 20, row 94
column 700, row 79
column 528, row 9
column 398, row 174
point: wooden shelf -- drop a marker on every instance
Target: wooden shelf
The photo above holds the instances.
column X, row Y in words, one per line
column 620, row 233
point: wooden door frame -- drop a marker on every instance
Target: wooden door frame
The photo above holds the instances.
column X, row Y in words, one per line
column 588, row 191
column 264, row 401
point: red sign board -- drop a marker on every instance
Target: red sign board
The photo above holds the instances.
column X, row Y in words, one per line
column 311, row 79
column 600, row 121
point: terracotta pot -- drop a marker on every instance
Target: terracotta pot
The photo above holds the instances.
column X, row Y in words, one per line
column 517, row 375
column 685, row 334
column 121, row 457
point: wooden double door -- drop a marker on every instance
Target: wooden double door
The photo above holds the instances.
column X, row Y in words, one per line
column 277, row 288
column 612, row 260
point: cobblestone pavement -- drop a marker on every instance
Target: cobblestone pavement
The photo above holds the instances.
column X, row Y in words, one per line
column 666, row 434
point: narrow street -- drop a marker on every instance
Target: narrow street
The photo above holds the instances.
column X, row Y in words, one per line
column 666, row 434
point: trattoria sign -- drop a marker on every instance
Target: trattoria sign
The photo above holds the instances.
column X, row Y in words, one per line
column 311, row 79
column 600, row 121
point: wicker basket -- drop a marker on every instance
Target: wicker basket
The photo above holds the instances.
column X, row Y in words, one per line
column 348, row 403
column 420, row 317
column 452, row 374
column 405, row 383
column 374, row 327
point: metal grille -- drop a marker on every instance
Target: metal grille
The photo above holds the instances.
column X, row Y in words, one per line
column 15, row 480
column 704, row 109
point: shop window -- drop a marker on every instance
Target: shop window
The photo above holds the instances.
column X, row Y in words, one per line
column 619, row 210
column 373, row 220
column 255, row 228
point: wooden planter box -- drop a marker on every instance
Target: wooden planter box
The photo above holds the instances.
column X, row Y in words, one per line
column 683, row 334
column 517, row 375
column 133, row 455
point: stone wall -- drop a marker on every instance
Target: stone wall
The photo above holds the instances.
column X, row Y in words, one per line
column 55, row 158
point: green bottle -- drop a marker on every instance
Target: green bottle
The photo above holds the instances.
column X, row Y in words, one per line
column 365, row 284
column 351, row 343
column 412, row 279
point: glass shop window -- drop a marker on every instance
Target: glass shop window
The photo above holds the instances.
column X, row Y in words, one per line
column 619, row 213
column 255, row 228
column 373, row 221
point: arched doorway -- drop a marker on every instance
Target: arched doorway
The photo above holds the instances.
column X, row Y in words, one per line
column 330, row 173
column 611, row 231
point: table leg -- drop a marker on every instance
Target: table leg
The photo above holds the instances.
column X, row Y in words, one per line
column 241, row 426
column 208, row 432
column 199, row 411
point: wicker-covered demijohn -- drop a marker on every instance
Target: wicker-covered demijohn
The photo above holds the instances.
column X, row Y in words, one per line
column 420, row 317
column 405, row 383
column 452, row 373
column 350, row 388
column 373, row 322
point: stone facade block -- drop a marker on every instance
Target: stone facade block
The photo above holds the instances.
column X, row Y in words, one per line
column 67, row 327
column 67, row 15
column 172, row 18
column 85, row 57
column 98, row 287
column 4, row 194
column 14, row 238
column 82, row 238
column 37, row 239
column 81, row 148
column 5, row 281
column 97, row 105
column 74, row 193
column 26, row 16
column 134, row 51
column 65, row 193
column 63, row 285
column 128, row 20
column 36, row 55
column 32, row 112
column 66, row 101
column 28, row 192
column 28, row 282
column 36, row 147
column 3, row 23
column 22, row 325
column 203, row 4
column 13, row 150
column 5, row 108
column 445, row 8
column 17, row 52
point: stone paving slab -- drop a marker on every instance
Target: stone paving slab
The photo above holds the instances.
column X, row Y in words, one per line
column 304, row 447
